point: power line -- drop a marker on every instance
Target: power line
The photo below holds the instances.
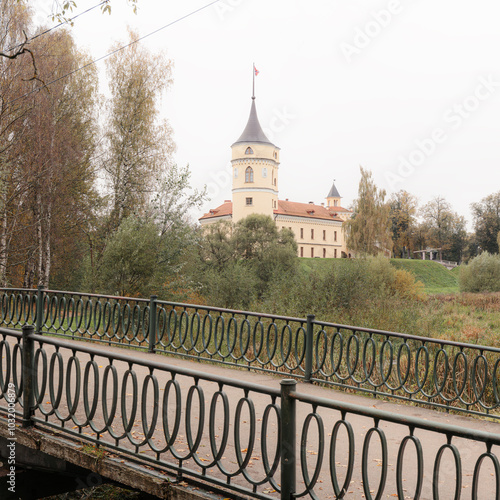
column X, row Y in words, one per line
column 58, row 25
column 113, row 52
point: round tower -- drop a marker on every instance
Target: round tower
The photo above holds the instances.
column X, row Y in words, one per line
column 255, row 162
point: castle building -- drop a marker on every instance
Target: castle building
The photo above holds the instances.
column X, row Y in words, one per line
column 255, row 168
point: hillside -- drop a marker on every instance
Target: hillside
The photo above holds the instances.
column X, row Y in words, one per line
column 435, row 277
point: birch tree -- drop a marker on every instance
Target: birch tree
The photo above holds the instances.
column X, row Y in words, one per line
column 49, row 179
column 138, row 143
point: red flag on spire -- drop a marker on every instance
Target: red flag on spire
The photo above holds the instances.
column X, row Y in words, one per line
column 255, row 70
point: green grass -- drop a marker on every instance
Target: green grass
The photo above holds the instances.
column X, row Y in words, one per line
column 435, row 277
column 308, row 264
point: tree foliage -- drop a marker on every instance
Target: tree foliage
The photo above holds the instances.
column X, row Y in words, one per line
column 47, row 142
column 147, row 254
column 368, row 230
column 443, row 228
column 138, row 145
column 481, row 274
column 403, row 208
column 486, row 220
column 238, row 263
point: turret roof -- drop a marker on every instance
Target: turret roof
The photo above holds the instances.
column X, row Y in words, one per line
column 333, row 192
column 253, row 132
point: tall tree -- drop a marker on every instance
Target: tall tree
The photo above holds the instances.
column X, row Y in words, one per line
column 148, row 253
column 402, row 214
column 438, row 220
column 138, row 143
column 48, row 179
column 14, row 21
column 368, row 231
column 444, row 229
column 486, row 219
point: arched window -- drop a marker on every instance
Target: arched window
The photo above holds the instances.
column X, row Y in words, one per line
column 249, row 151
column 249, row 174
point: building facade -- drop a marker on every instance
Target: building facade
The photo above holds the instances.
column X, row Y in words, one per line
column 255, row 164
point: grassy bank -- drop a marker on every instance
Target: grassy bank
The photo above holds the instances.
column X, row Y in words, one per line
column 435, row 277
column 443, row 313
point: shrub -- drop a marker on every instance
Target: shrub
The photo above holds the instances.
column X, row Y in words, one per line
column 406, row 287
column 481, row 274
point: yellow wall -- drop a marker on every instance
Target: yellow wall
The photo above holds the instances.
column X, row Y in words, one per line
column 330, row 247
column 263, row 191
column 263, row 188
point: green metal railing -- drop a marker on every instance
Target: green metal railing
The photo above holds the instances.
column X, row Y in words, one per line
column 249, row 439
column 436, row 372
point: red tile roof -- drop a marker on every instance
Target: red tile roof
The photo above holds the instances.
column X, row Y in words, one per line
column 310, row 210
column 285, row 207
column 225, row 209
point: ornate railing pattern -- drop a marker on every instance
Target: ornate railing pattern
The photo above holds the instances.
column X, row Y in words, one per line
column 251, row 439
column 435, row 372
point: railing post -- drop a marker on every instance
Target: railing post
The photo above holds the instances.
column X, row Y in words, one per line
column 309, row 347
column 152, row 323
column 28, row 375
column 287, row 445
column 40, row 296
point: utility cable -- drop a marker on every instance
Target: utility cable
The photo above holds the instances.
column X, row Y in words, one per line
column 57, row 26
column 95, row 61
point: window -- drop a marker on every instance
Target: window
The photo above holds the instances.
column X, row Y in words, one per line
column 275, row 154
column 274, row 203
column 312, row 234
column 324, row 253
column 324, row 234
column 302, row 251
column 264, row 172
column 302, row 232
column 236, row 173
column 334, row 235
column 335, row 203
column 249, row 151
column 249, row 174
column 312, row 252
column 274, row 182
column 249, row 202
column 335, row 253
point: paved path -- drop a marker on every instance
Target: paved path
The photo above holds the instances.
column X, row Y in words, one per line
column 469, row 451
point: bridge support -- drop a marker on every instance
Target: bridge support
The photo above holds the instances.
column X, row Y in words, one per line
column 52, row 452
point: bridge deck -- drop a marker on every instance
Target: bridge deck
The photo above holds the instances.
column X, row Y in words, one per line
column 431, row 442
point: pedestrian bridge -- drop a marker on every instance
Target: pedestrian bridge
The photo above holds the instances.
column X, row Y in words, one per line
column 188, row 401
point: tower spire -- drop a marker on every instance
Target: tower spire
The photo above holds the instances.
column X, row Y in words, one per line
column 255, row 72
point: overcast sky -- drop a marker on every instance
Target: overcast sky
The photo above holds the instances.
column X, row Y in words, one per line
column 409, row 89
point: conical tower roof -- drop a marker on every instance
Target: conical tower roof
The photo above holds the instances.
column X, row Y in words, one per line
column 333, row 192
column 253, row 132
